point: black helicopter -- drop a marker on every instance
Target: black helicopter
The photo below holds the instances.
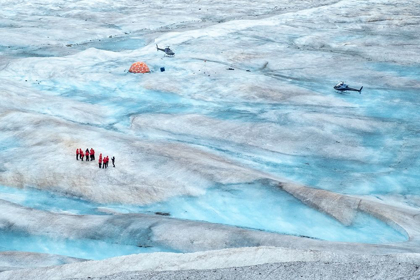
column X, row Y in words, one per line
column 341, row 86
column 167, row 51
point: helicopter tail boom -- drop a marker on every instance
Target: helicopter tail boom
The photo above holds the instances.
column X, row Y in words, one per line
column 159, row 49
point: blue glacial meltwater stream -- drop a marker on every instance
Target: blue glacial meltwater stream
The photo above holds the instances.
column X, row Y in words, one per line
column 77, row 248
column 252, row 206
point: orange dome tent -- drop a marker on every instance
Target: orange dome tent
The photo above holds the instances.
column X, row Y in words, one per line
column 139, row 67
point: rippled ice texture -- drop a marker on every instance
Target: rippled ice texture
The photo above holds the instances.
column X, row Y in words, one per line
column 198, row 126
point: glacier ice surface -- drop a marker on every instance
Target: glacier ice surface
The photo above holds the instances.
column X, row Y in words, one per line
column 190, row 141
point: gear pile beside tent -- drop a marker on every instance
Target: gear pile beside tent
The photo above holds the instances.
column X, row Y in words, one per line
column 139, row 67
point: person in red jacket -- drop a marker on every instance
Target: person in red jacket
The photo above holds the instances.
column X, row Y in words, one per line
column 100, row 160
column 77, row 154
column 87, row 154
column 81, row 154
column 92, row 154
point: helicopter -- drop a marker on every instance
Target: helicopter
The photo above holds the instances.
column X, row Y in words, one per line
column 167, row 50
column 341, row 86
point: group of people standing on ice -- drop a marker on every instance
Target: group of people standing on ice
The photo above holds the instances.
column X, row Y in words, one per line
column 89, row 154
column 103, row 162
